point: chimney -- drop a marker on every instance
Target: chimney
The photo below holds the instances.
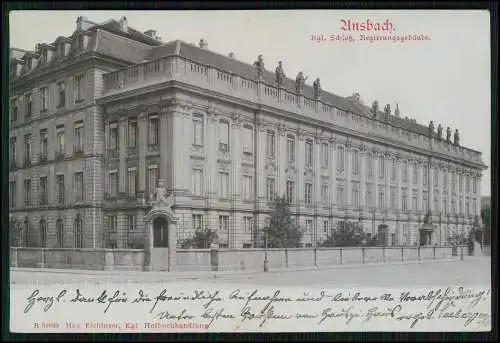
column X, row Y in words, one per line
column 124, row 24
column 203, row 44
column 231, row 55
column 151, row 33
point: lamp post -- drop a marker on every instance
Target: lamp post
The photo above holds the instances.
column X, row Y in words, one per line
column 266, row 262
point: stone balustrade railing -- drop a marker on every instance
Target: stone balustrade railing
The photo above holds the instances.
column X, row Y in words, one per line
column 230, row 84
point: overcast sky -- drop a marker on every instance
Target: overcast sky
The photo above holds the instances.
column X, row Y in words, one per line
column 445, row 79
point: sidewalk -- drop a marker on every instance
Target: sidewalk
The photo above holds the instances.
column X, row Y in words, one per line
column 183, row 275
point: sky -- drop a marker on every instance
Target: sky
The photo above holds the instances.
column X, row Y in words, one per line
column 445, row 78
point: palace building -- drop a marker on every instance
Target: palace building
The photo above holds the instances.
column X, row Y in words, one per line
column 98, row 118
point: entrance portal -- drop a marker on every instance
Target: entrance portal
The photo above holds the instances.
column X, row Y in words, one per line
column 160, row 233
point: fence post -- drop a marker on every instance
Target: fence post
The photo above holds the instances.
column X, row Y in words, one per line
column 462, row 253
column 383, row 253
column 418, row 250
column 214, row 260
column 363, row 253
column 340, row 255
column 315, row 258
column 13, row 262
column 266, row 262
column 286, row 258
column 434, row 253
column 402, row 254
column 108, row 259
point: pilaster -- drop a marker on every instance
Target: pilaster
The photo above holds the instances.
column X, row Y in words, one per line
column 236, row 152
column 280, row 183
column 167, row 144
column 362, row 170
column 300, row 168
column 316, row 196
column 122, row 145
column 143, row 148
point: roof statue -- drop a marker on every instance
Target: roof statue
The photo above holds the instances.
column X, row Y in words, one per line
column 448, row 134
column 317, row 89
column 456, row 138
column 431, row 129
column 300, row 81
column 396, row 111
column 440, row 132
column 387, row 110
column 259, row 64
column 280, row 74
column 203, row 44
column 374, row 108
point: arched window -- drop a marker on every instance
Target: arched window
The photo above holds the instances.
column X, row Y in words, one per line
column 78, row 232
column 60, row 233
column 26, row 233
column 43, row 233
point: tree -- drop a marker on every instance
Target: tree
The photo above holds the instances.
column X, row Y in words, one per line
column 202, row 239
column 486, row 217
column 348, row 234
column 280, row 230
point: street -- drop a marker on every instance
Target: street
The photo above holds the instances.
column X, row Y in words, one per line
column 473, row 271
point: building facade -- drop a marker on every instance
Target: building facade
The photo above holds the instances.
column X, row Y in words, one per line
column 98, row 118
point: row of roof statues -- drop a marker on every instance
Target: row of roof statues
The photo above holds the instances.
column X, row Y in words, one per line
column 300, row 80
column 439, row 134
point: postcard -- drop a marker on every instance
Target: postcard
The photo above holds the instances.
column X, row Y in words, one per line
column 249, row 171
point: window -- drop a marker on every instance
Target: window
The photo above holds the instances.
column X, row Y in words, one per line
column 290, row 191
column 113, row 223
column 60, row 189
column 340, row 159
column 79, row 136
column 461, row 206
column 370, row 165
column 271, row 144
column 308, row 193
column 369, row 198
column 27, row 150
column 393, row 201
column 309, row 226
column 435, row 203
column 44, row 142
column 467, row 208
column 247, row 139
column 474, row 185
column 79, row 41
column 79, row 186
column 393, row 170
column 197, row 181
column 381, row 167
column 197, row 222
column 223, row 135
column 324, row 154
column 60, row 50
column 113, row 183
column 404, row 201
column 355, row 162
column 43, row 99
column 414, row 174
column 325, row 226
column 12, row 194
column 467, row 184
column 474, row 205
column 355, row 197
column 43, row 233
column 223, row 184
column 27, row 105
column 78, row 87
column 60, row 233
column 324, row 193
column 453, row 209
column 27, row 193
column 43, row 190
column 436, row 178
column 12, row 151
column 131, row 222
column 132, row 133
column 131, row 182
column 45, row 56
column 270, row 191
column 247, row 187
column 61, row 90
column 414, row 202
column 113, row 136
column 309, row 153
column 78, row 232
column 224, row 223
column 424, row 176
column 425, row 202
column 197, row 131
column 153, row 131
column 13, row 109
column 60, row 141
column 445, row 206
column 25, row 234
column 247, row 224
column 290, row 148
column 461, row 183
column 152, row 178
column 381, row 204
column 340, row 196
column 405, row 171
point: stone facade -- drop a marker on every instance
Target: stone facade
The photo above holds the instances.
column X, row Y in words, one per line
column 224, row 141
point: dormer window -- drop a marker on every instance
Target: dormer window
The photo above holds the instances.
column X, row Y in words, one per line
column 29, row 63
column 60, row 50
column 79, row 42
column 45, row 56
